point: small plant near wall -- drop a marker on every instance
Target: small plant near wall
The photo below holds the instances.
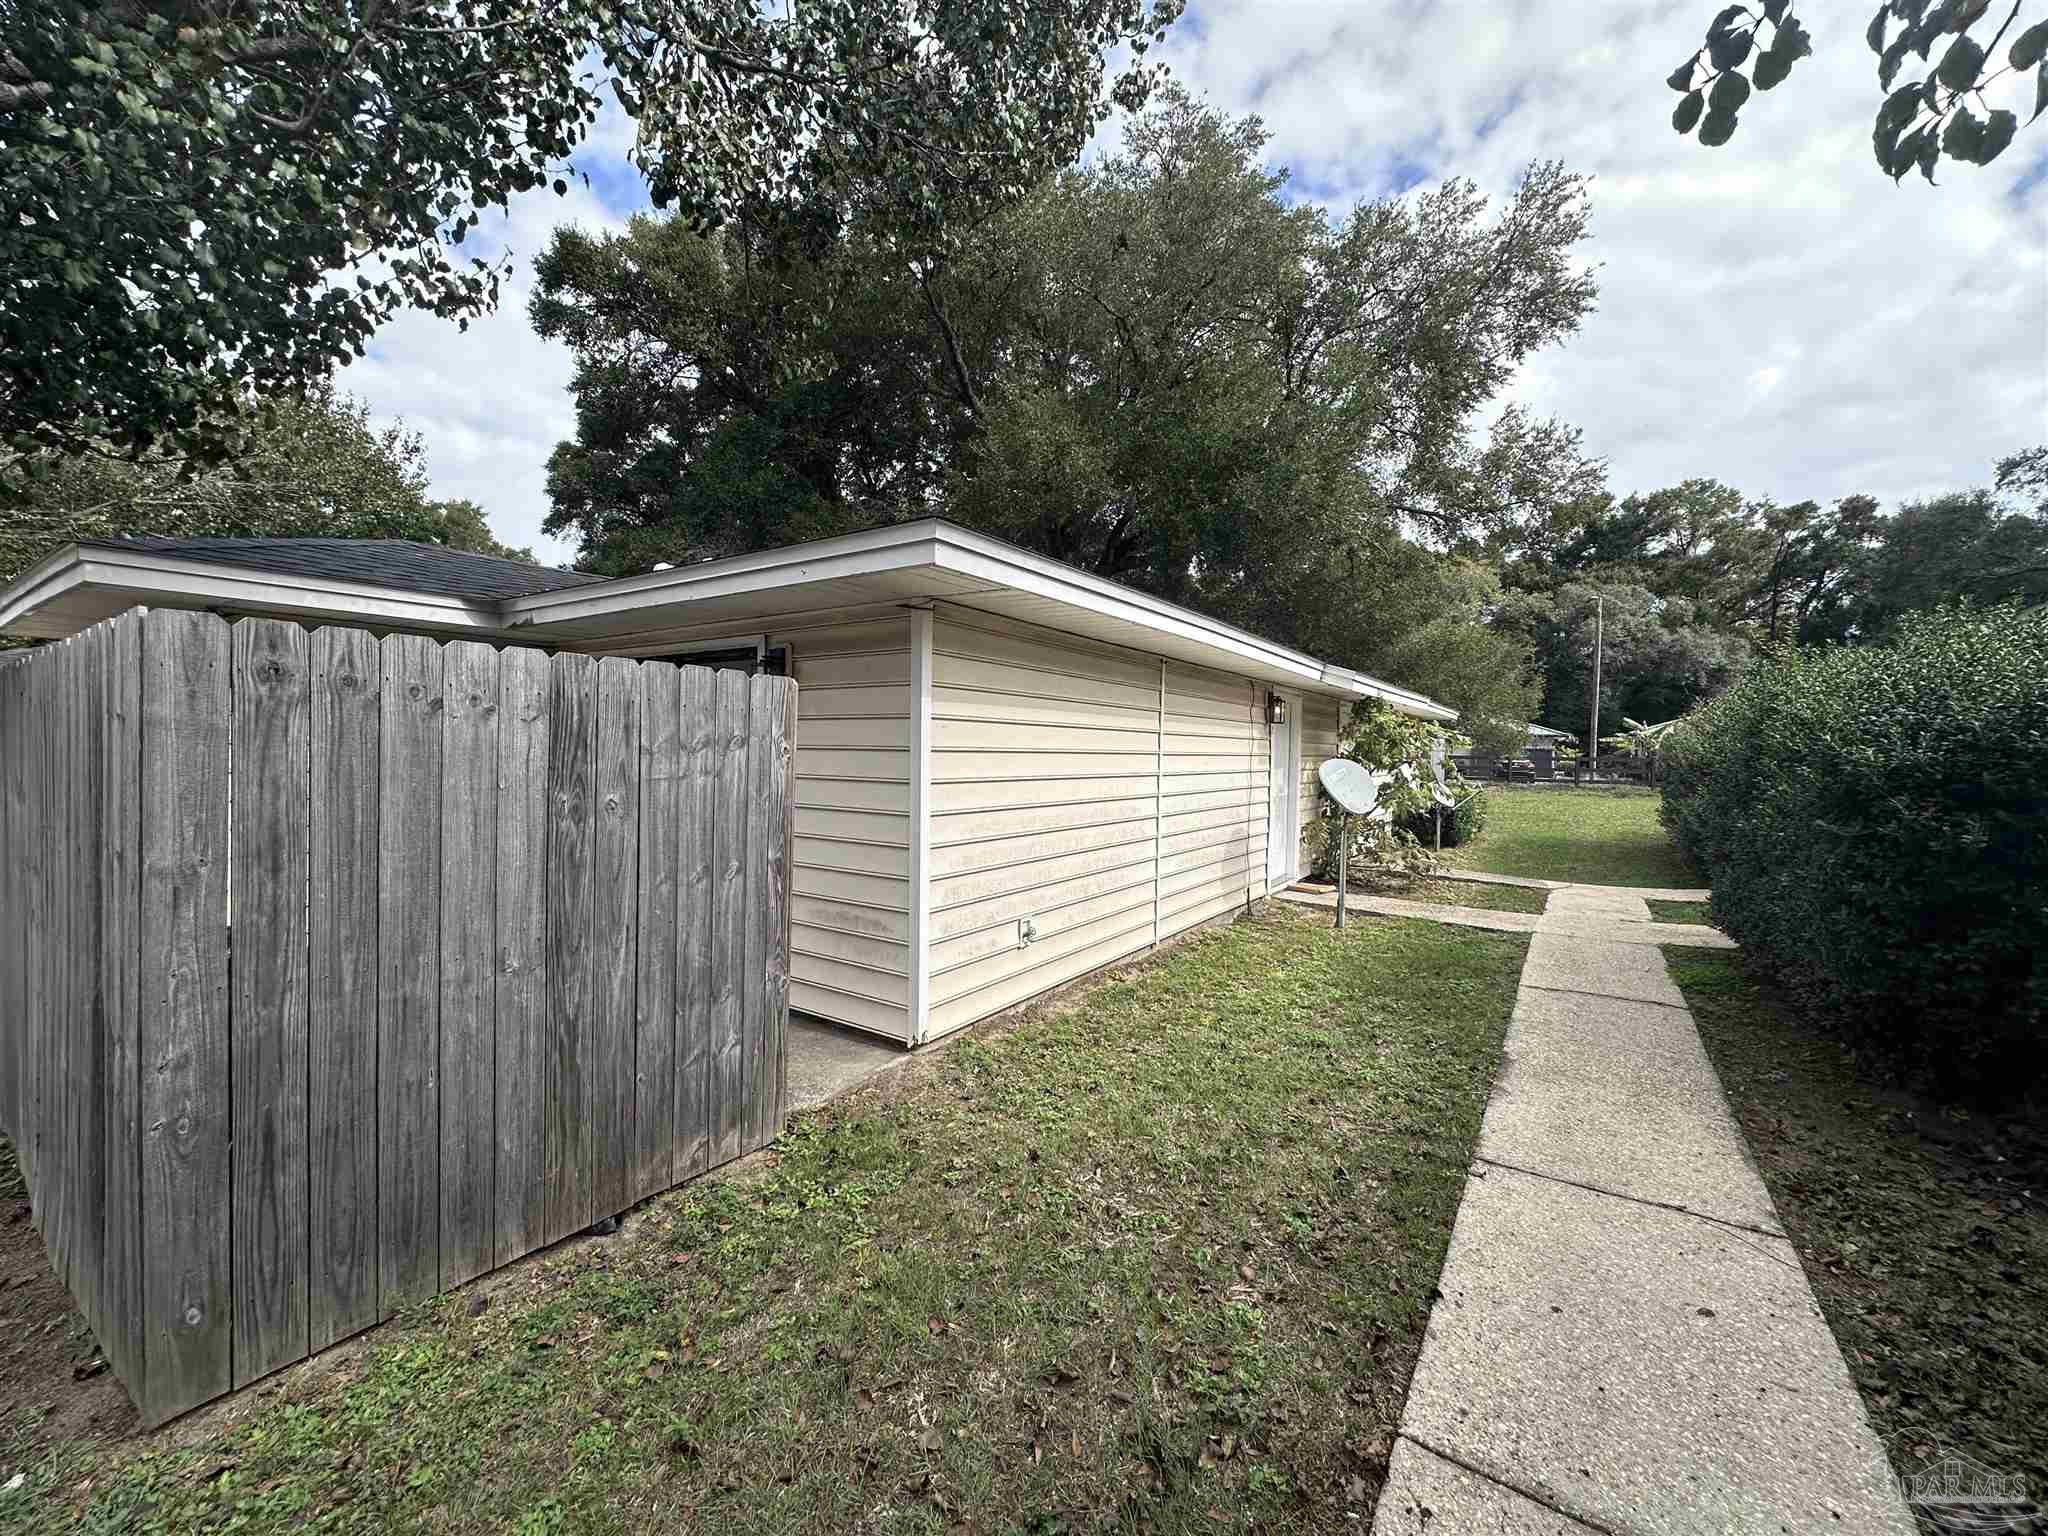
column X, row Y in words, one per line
column 1399, row 752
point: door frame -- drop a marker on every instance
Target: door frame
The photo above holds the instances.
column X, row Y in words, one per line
column 1292, row 870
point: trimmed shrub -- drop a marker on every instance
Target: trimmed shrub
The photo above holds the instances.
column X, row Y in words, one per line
column 1874, row 823
column 1461, row 826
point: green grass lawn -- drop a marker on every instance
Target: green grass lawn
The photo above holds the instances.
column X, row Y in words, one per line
column 1924, row 1228
column 1463, row 893
column 1698, row 913
column 1156, row 1256
column 1596, row 836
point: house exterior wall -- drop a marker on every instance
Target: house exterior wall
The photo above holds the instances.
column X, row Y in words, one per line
column 1321, row 721
column 850, row 892
column 1108, row 798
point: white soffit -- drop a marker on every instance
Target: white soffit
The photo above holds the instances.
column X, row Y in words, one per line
column 913, row 564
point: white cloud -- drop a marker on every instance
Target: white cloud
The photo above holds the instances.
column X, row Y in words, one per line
column 1775, row 313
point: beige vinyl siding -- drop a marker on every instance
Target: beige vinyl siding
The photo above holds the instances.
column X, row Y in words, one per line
column 849, row 955
column 1321, row 720
column 1213, row 769
column 1044, row 800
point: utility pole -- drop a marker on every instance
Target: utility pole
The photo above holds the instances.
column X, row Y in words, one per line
column 1599, row 650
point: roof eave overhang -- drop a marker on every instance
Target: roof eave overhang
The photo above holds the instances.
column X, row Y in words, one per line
column 118, row 579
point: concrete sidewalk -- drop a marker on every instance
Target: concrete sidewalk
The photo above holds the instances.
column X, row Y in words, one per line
column 1624, row 1341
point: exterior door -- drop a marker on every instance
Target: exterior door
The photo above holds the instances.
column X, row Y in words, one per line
column 1283, row 795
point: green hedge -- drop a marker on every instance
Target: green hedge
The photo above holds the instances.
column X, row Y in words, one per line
column 1460, row 827
column 1874, row 823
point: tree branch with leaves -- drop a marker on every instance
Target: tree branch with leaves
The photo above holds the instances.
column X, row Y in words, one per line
column 1922, row 121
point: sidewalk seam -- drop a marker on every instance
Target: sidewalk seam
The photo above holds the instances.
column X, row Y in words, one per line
column 1616, row 1194
column 1515, row 1488
column 1612, row 997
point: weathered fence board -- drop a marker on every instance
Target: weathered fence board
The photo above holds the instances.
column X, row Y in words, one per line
column 469, row 877
column 728, row 918
column 693, row 923
column 616, row 892
column 522, row 936
column 271, row 836
column 347, row 708
column 663, row 769
column 572, row 774
column 187, row 1193
column 409, row 974
column 509, row 942
column 119, row 1323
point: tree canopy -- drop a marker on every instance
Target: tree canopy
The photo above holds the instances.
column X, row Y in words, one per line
column 312, row 468
column 1157, row 367
column 1923, row 120
column 209, row 197
column 1699, row 577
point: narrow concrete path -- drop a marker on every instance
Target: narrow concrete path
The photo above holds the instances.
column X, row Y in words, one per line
column 1624, row 1341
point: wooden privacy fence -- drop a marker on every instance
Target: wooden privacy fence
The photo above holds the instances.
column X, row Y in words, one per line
column 335, row 970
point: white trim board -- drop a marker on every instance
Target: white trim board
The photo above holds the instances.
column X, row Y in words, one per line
column 908, row 564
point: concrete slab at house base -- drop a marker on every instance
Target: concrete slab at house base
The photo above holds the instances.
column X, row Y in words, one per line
column 1623, row 1341
column 1619, row 1096
column 1440, row 1498
column 1642, row 1369
column 826, row 1061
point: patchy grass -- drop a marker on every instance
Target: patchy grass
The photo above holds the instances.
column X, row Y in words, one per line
column 1924, row 1229
column 1695, row 912
column 1459, row 893
column 1158, row 1255
column 1594, row 836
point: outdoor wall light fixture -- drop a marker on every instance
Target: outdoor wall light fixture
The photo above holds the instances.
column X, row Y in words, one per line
column 1276, row 709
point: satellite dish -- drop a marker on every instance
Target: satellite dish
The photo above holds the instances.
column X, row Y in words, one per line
column 1349, row 784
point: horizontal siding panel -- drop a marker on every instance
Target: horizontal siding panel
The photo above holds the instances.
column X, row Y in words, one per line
column 845, row 671
column 1047, row 961
column 1216, row 800
column 1058, row 970
column 844, row 1008
column 861, row 826
column 817, row 793
column 1202, row 911
column 1042, row 650
column 952, row 953
column 831, row 944
column 952, row 735
column 1173, row 888
column 838, row 637
column 844, row 885
column 1005, row 852
column 975, row 826
column 891, row 987
column 891, row 923
column 967, row 795
column 966, row 672
column 981, row 885
column 872, row 701
column 821, row 735
column 1034, row 710
column 1030, row 903
column 865, row 858
column 852, row 763
column 951, row 767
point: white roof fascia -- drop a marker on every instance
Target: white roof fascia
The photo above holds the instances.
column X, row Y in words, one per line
column 875, row 552
column 209, row 584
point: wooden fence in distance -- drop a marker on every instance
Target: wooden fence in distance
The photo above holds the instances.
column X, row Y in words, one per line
column 335, row 971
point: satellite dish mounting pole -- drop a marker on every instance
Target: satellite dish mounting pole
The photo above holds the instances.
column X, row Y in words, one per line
column 1343, row 861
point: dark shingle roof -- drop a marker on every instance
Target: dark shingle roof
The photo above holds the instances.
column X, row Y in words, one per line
column 396, row 563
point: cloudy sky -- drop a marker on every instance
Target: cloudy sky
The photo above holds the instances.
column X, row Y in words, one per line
column 1774, row 313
